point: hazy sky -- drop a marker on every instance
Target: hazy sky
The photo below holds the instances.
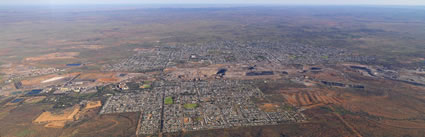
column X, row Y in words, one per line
column 308, row 2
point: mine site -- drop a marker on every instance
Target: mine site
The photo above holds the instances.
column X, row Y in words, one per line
column 240, row 71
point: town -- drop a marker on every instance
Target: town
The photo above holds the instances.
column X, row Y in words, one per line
column 222, row 52
column 173, row 106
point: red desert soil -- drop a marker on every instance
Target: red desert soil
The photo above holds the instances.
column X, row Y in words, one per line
column 269, row 107
column 379, row 106
column 307, row 98
column 414, row 124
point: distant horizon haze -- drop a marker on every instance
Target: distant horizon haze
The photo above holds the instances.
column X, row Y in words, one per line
column 247, row 2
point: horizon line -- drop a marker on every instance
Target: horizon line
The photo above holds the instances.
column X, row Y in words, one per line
column 203, row 4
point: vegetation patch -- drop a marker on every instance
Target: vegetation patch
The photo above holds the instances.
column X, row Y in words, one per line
column 169, row 100
column 342, row 111
column 288, row 108
column 146, row 86
column 326, row 109
column 190, row 106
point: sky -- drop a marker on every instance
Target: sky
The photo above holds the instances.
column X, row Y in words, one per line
column 283, row 2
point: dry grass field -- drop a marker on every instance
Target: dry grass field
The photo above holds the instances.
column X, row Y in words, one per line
column 54, row 56
column 36, row 99
column 93, row 104
column 100, row 77
column 58, row 120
